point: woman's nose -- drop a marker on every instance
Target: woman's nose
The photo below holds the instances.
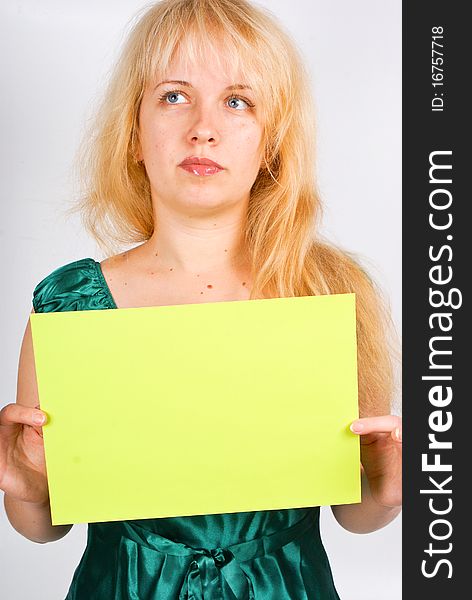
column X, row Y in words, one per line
column 203, row 135
column 204, row 130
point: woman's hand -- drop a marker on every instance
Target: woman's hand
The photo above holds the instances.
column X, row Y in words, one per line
column 381, row 457
column 22, row 463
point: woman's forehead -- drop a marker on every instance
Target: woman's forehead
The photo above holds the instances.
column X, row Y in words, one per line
column 208, row 56
column 232, row 59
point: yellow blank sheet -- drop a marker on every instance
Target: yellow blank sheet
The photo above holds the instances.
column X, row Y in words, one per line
column 199, row 408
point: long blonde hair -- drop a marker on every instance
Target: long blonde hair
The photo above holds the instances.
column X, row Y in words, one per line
column 288, row 256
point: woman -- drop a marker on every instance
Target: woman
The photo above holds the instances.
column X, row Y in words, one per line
column 203, row 152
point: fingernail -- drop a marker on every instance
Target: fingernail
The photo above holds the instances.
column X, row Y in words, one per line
column 398, row 434
column 357, row 427
column 38, row 419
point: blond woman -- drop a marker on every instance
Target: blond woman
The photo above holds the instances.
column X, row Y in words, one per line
column 202, row 155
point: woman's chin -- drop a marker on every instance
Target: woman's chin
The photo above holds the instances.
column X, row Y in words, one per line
column 201, row 205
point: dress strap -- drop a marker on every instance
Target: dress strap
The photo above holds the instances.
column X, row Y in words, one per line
column 78, row 285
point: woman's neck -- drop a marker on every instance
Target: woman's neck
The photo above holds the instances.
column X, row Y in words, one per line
column 191, row 244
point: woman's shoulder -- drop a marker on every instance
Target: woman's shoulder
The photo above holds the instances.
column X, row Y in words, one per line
column 77, row 285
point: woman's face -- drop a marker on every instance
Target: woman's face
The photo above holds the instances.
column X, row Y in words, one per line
column 195, row 112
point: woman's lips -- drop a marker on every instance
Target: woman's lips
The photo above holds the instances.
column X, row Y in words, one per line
column 200, row 166
column 201, row 170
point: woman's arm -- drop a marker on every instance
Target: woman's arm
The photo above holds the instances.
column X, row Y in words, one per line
column 367, row 516
column 31, row 519
column 381, row 476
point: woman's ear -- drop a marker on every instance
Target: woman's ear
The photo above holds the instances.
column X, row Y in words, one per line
column 138, row 152
column 137, row 158
column 135, row 142
column 136, row 149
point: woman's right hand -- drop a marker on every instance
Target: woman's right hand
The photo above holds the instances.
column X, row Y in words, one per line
column 22, row 463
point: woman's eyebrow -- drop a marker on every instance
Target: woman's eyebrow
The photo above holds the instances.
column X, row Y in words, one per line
column 235, row 86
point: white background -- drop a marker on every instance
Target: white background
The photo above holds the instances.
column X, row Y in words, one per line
column 54, row 57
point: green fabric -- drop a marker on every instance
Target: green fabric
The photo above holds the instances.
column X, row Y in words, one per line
column 262, row 555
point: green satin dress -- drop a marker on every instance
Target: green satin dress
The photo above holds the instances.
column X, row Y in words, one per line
column 262, row 555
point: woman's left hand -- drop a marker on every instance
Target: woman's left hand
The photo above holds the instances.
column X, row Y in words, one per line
column 381, row 457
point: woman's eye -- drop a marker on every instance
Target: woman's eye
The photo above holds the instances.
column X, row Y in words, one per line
column 172, row 97
column 233, row 102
